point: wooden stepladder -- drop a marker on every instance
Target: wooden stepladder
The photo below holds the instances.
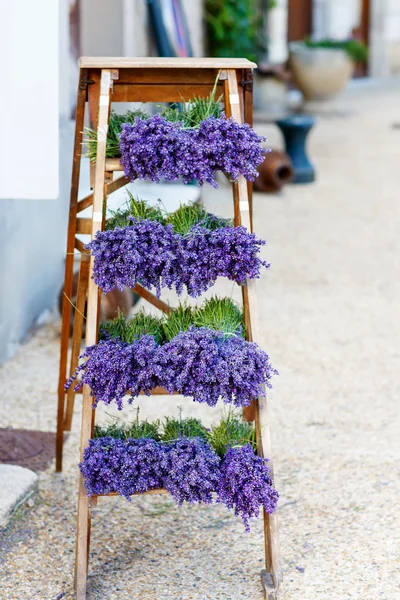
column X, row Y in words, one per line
column 101, row 82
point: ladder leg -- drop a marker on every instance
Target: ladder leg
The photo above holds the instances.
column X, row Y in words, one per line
column 77, row 334
column 271, row 576
column 248, row 118
column 93, row 305
column 69, row 266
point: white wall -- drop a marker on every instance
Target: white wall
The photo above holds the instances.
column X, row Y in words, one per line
column 335, row 18
column 277, row 32
column 385, row 37
column 29, row 108
column 33, row 231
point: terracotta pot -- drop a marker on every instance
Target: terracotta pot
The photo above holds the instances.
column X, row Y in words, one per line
column 319, row 73
column 274, row 172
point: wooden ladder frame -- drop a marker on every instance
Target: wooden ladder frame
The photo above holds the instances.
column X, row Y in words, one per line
column 102, row 81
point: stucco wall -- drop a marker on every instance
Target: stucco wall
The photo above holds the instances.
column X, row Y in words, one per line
column 33, row 232
column 32, row 247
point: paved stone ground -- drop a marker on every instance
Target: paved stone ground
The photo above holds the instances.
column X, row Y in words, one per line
column 330, row 320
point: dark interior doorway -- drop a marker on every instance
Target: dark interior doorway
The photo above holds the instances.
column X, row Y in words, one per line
column 299, row 19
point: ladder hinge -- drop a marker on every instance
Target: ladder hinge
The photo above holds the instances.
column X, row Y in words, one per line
column 247, row 84
column 84, row 82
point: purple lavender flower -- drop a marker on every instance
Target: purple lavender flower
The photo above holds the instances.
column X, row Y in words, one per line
column 230, row 147
column 123, row 466
column 201, row 363
column 114, row 368
column 245, row 484
column 100, row 465
column 230, row 252
column 140, row 467
column 156, row 148
column 147, row 251
column 208, row 365
column 153, row 254
column 191, row 470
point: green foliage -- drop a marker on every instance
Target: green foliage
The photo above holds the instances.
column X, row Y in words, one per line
column 179, row 319
column 143, row 324
column 221, row 314
column 129, row 330
column 186, row 216
column 114, row 130
column 192, row 113
column 114, row 328
column 176, row 427
column 235, row 28
column 135, row 430
column 231, row 431
column 182, row 220
column 134, row 207
column 356, row 50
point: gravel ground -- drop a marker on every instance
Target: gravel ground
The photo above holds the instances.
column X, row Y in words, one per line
column 330, row 320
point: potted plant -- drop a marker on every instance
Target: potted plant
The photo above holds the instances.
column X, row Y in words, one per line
column 235, row 28
column 321, row 69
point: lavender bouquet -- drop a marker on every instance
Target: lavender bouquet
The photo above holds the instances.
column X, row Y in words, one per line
column 200, row 363
column 207, row 365
column 191, row 470
column 114, row 368
column 245, row 484
column 152, row 254
column 186, row 459
column 156, row 148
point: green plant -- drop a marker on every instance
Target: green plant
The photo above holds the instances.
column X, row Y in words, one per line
column 176, row 427
column 231, row 431
column 222, row 314
column 356, row 50
column 134, row 207
column 128, row 330
column 187, row 215
column 136, row 430
column 182, row 220
column 235, row 28
column 114, row 130
column 179, row 319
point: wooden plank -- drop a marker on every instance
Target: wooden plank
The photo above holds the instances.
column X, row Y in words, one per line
column 157, row 302
column 248, row 118
column 157, row 391
column 93, row 103
column 113, row 164
column 161, row 92
column 84, row 226
column 77, row 335
column 106, row 62
column 111, row 187
column 158, row 491
column 69, row 267
column 166, row 76
column 83, row 521
column 272, row 552
column 80, row 246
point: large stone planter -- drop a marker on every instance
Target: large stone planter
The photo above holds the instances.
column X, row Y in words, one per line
column 319, row 73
